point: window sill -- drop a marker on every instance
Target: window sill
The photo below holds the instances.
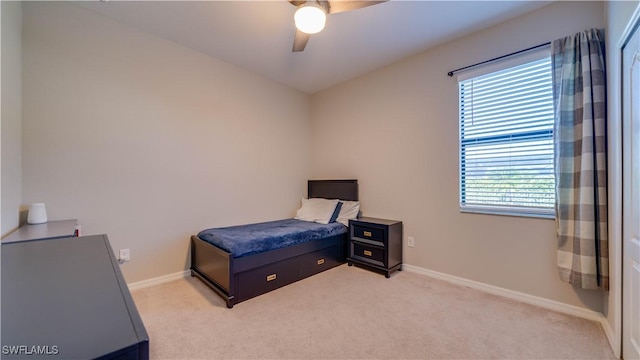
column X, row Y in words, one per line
column 507, row 212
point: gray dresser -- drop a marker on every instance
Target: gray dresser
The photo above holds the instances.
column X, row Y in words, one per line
column 66, row 298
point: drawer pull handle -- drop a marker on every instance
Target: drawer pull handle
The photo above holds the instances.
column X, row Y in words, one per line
column 368, row 253
column 271, row 277
column 321, row 261
column 367, row 233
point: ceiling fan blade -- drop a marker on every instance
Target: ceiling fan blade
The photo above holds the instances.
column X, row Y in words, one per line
column 325, row 5
column 342, row 6
column 297, row 3
column 300, row 41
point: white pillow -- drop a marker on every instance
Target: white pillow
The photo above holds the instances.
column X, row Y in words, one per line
column 349, row 210
column 316, row 210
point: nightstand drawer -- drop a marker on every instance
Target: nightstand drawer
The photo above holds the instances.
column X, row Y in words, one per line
column 372, row 254
column 368, row 232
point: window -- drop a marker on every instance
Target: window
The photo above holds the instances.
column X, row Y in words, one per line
column 506, row 139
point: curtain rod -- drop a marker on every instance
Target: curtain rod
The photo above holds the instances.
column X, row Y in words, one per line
column 450, row 73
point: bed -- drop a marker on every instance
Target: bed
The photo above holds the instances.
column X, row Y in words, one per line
column 249, row 272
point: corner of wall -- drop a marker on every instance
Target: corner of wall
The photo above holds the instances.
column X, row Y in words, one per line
column 11, row 125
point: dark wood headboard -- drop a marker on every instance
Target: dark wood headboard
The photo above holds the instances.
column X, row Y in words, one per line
column 333, row 189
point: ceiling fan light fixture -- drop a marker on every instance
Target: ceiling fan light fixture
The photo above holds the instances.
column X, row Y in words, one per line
column 310, row 19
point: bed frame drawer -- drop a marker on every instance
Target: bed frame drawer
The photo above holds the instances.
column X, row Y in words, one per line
column 258, row 281
column 319, row 261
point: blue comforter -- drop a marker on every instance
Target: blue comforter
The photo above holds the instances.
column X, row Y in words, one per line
column 251, row 239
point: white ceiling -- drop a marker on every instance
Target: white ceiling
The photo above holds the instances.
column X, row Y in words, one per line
column 258, row 35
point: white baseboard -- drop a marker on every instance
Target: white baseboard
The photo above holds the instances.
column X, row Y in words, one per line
column 159, row 280
column 522, row 297
column 611, row 336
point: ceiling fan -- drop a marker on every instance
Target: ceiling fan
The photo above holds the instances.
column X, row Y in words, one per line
column 310, row 16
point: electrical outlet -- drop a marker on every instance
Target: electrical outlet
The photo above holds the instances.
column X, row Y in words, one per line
column 125, row 255
column 411, row 242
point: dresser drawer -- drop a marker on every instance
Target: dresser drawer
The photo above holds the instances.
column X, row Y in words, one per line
column 369, row 253
column 367, row 232
column 258, row 281
column 319, row 261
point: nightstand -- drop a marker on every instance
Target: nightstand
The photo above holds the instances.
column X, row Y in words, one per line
column 375, row 244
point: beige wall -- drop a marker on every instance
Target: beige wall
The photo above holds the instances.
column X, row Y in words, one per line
column 396, row 130
column 618, row 14
column 11, row 127
column 150, row 142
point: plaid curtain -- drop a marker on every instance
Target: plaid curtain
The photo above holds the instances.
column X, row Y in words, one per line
column 580, row 140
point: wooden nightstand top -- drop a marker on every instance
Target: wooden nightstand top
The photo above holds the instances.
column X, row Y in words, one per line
column 377, row 221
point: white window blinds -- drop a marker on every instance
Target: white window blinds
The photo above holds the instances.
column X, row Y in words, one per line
column 506, row 140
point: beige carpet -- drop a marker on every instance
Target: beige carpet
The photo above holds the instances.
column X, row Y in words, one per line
column 351, row 313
